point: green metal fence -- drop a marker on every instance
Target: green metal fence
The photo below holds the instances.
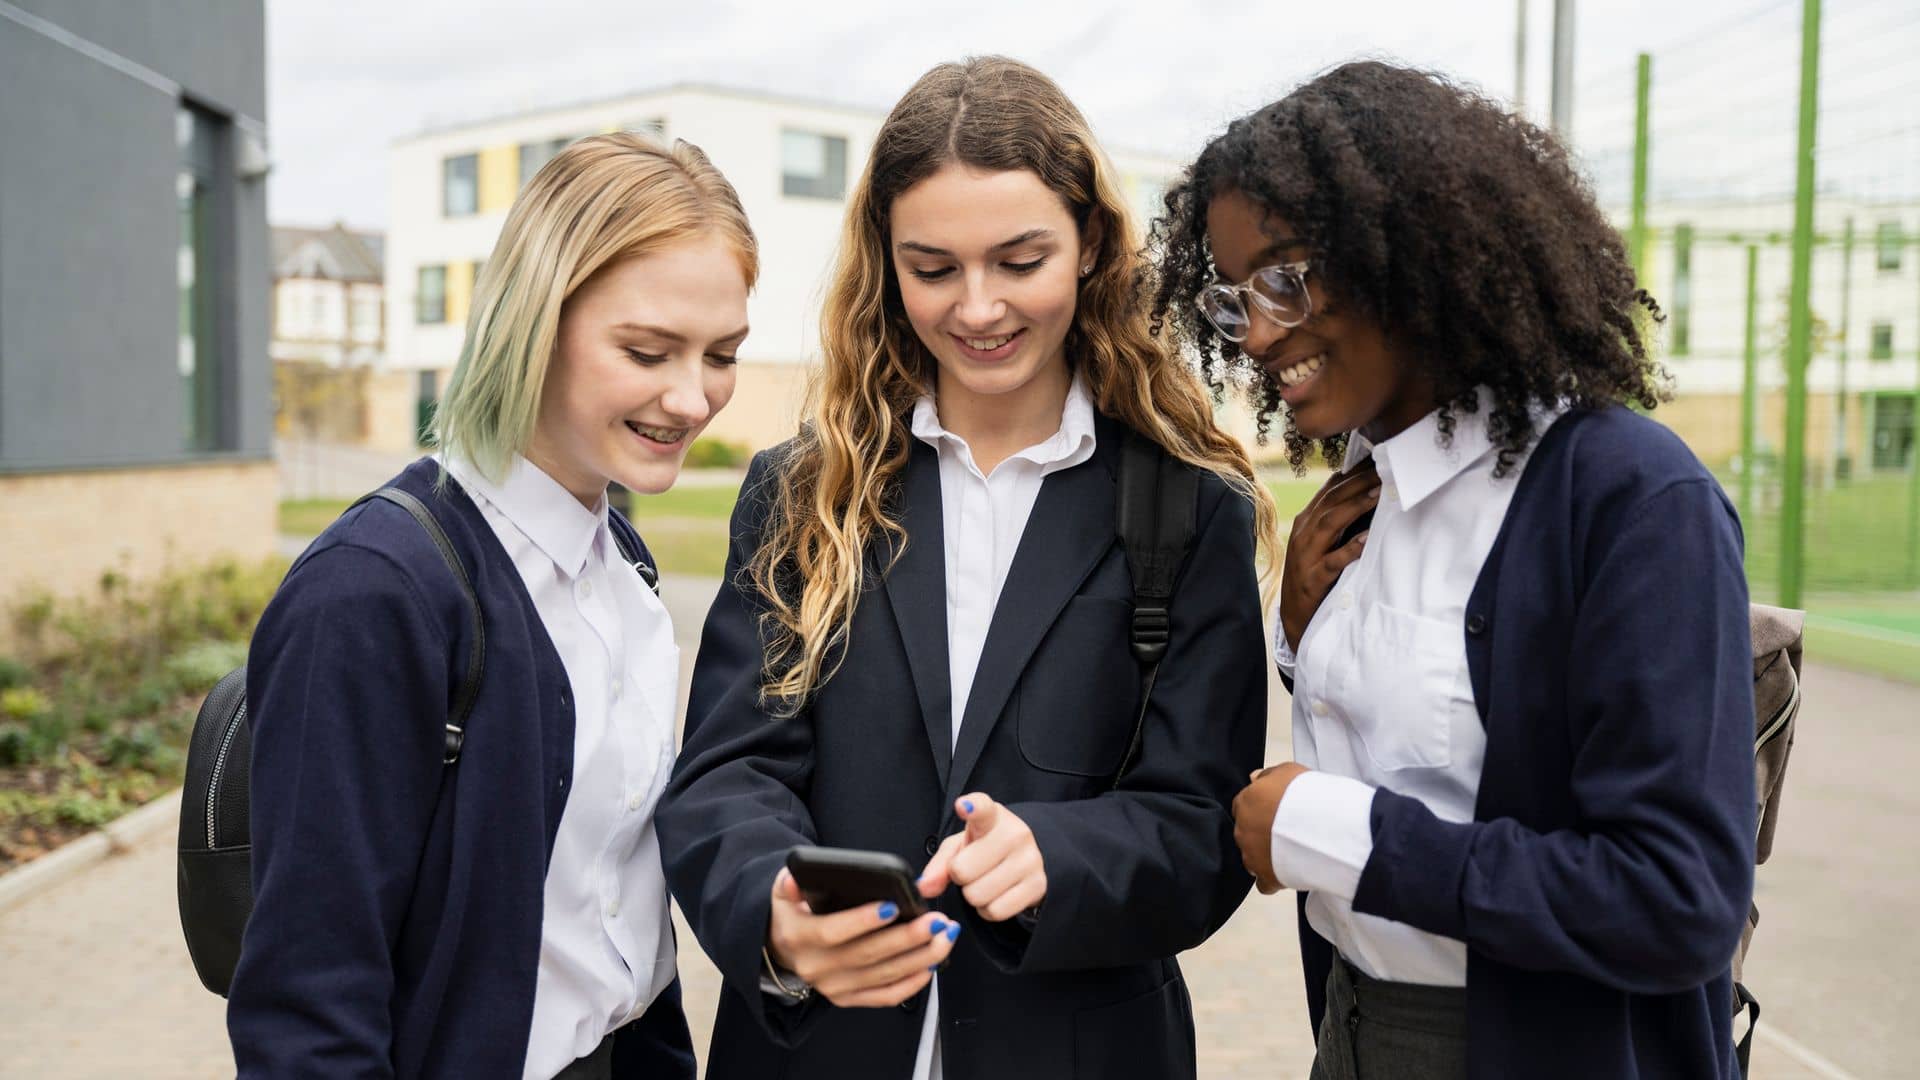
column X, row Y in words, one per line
column 1781, row 234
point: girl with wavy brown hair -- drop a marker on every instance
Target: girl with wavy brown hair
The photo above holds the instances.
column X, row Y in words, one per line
column 921, row 646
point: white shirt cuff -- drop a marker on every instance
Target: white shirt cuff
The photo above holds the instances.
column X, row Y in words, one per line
column 1282, row 652
column 1323, row 833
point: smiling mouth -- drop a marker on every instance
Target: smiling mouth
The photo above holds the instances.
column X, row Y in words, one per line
column 1298, row 373
column 997, row 347
column 662, row 436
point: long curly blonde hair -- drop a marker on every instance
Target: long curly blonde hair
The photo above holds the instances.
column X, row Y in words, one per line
column 832, row 494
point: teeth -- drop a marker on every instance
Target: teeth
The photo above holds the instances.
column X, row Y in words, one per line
column 659, row 435
column 987, row 344
column 1302, row 371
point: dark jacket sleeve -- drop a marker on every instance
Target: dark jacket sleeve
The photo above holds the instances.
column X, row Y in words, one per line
column 347, row 683
column 1150, row 869
column 737, row 800
column 1649, row 895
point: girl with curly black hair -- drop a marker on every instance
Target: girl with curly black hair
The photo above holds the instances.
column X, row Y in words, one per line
column 1515, row 623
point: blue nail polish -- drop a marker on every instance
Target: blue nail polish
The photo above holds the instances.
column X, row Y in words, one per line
column 966, row 805
column 953, row 932
column 938, row 925
column 888, row 911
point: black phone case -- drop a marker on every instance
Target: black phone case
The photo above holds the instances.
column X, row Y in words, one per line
column 834, row 879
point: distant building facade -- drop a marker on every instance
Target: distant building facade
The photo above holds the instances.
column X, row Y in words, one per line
column 791, row 160
column 1865, row 373
column 329, row 340
column 135, row 388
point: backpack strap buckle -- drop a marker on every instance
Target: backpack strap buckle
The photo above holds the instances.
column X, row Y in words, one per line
column 1150, row 632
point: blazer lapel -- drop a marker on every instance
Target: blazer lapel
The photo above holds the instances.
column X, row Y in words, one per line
column 1069, row 532
column 917, row 589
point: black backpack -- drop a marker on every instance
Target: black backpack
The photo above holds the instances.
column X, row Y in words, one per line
column 216, row 848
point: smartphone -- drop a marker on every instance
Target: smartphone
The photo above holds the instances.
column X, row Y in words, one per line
column 835, row 879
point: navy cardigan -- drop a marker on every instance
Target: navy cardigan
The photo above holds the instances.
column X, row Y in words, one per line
column 397, row 901
column 1602, row 886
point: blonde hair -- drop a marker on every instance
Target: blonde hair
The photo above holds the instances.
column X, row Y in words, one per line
column 831, row 495
column 603, row 199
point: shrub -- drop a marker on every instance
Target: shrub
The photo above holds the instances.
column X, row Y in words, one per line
column 13, row 673
column 716, row 454
column 23, row 704
column 197, row 668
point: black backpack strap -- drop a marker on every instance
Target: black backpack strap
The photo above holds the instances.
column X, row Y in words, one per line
column 1154, row 513
column 1744, row 1001
column 627, row 539
column 477, row 630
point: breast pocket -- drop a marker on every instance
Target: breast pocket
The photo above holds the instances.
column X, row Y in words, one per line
column 1404, row 690
column 1074, row 706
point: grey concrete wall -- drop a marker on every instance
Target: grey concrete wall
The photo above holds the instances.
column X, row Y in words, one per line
column 89, row 231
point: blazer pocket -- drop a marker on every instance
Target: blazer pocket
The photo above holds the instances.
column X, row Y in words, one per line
column 1075, row 705
column 1150, row 1036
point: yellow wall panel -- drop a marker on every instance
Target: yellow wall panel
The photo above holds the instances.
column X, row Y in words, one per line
column 499, row 177
column 459, row 289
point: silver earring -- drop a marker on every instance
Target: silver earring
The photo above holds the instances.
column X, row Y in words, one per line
column 1087, row 269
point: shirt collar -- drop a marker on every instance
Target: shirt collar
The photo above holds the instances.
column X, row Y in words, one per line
column 539, row 506
column 1071, row 444
column 1415, row 463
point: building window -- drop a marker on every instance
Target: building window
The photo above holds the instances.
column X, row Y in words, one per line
column 432, row 296
column 1893, row 431
column 813, row 166
column 366, row 317
column 1888, row 238
column 460, row 185
column 199, row 267
column 537, row 153
column 1682, row 289
column 1882, row 344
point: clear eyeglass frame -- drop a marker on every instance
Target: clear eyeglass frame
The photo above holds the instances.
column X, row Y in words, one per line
column 1279, row 292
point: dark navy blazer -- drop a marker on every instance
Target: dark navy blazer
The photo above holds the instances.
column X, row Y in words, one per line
column 1602, row 886
column 1134, row 875
column 397, row 901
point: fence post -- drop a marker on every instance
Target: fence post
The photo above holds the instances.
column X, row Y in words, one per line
column 1799, row 323
column 1642, row 140
column 1749, row 389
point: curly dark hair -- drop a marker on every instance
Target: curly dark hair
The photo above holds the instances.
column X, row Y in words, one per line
column 1461, row 230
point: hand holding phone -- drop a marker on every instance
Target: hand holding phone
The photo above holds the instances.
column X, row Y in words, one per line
column 880, row 949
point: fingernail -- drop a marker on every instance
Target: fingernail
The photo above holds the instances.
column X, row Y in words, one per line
column 953, row 932
column 938, row 925
column 966, row 806
column 1363, row 536
column 1374, row 494
column 888, row 911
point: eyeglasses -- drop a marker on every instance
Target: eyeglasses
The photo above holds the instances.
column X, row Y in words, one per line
column 1279, row 292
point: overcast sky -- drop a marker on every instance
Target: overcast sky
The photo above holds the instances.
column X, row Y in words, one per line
column 348, row 77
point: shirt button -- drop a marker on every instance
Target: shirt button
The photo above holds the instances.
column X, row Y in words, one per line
column 613, row 909
column 1319, row 707
column 634, row 800
column 1476, row 625
column 1388, row 491
column 931, row 844
column 616, row 688
column 586, row 588
column 1346, row 601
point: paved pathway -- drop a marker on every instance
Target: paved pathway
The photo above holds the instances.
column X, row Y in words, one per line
column 97, row 983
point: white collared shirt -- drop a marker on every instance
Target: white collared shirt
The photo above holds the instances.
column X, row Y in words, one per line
column 606, row 946
column 982, row 519
column 1381, row 694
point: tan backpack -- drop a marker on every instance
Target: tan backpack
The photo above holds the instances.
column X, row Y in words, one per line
column 1776, row 702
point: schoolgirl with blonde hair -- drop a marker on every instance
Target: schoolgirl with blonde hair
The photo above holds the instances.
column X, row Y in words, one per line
column 455, row 869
